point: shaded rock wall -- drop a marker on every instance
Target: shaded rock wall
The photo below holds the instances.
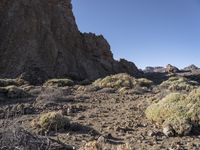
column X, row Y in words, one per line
column 40, row 39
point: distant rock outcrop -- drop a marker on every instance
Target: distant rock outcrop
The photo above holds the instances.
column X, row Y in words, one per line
column 154, row 69
column 191, row 68
column 171, row 69
column 168, row 69
column 39, row 39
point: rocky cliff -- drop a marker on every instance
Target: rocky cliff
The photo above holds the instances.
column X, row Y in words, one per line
column 39, row 39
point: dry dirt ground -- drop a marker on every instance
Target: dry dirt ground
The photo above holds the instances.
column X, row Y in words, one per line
column 93, row 113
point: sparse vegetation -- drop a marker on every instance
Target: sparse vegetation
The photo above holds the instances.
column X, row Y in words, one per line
column 14, row 92
column 59, row 82
column 101, row 144
column 179, row 84
column 122, row 81
column 49, row 97
column 51, row 121
column 143, row 82
column 9, row 82
column 178, row 110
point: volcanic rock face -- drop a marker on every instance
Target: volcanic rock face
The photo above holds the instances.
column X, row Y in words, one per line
column 40, row 39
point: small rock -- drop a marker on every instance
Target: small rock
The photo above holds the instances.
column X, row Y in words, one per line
column 151, row 133
column 81, row 117
column 101, row 139
column 168, row 130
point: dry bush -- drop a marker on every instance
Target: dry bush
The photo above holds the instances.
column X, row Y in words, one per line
column 49, row 96
column 59, row 82
column 8, row 82
column 14, row 92
column 17, row 138
column 103, row 144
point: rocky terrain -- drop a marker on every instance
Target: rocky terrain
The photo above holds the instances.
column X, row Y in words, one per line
column 116, row 112
column 61, row 89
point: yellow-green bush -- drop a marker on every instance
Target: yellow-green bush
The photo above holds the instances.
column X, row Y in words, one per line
column 178, row 110
column 52, row 121
column 193, row 101
column 143, row 82
column 59, row 82
column 165, row 108
column 179, row 84
column 121, row 80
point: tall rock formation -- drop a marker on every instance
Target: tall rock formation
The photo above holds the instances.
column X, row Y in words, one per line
column 40, row 39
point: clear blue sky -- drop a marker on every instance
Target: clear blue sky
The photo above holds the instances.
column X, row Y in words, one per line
column 147, row 32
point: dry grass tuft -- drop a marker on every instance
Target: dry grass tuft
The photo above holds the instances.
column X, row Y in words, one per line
column 9, row 82
column 14, row 92
column 59, row 82
column 102, row 144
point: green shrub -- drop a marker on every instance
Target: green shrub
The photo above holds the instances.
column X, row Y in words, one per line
column 122, row 80
column 52, row 121
column 170, row 105
column 59, row 82
column 193, row 101
column 180, row 111
column 179, row 84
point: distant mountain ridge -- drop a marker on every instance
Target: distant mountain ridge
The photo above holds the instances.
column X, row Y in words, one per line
column 160, row 69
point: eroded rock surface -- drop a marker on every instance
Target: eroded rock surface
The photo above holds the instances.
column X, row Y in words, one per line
column 40, row 40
